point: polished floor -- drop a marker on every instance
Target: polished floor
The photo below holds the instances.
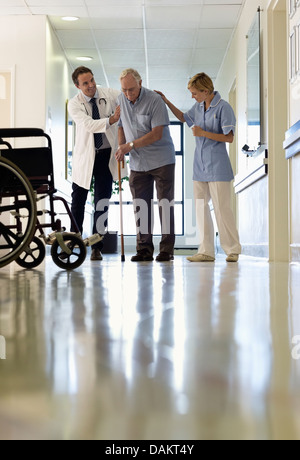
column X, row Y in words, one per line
column 151, row 351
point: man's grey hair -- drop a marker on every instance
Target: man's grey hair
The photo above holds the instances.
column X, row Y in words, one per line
column 132, row 72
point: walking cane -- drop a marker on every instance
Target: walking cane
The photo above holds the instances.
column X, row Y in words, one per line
column 121, row 210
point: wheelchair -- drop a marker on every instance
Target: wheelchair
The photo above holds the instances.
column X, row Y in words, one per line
column 27, row 177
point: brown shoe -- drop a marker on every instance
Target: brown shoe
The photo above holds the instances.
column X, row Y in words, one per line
column 142, row 256
column 164, row 257
column 232, row 258
column 96, row 254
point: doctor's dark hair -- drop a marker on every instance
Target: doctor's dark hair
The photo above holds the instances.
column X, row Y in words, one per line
column 202, row 82
column 80, row 71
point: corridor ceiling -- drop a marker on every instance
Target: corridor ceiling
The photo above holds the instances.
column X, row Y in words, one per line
column 167, row 41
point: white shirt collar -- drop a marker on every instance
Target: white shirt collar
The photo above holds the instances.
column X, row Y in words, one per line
column 88, row 99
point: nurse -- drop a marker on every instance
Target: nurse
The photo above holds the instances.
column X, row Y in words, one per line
column 213, row 123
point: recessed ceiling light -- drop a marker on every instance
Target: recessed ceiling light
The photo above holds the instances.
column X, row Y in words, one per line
column 84, row 58
column 70, row 18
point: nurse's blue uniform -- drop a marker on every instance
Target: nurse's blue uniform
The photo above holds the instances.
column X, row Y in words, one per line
column 211, row 162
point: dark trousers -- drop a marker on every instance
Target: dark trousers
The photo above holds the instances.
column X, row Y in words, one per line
column 103, row 190
column 142, row 189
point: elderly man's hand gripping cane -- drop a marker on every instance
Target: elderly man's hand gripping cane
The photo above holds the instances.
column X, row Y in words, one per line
column 122, row 151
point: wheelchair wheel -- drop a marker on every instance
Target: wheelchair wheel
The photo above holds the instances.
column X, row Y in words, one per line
column 18, row 212
column 75, row 254
column 33, row 255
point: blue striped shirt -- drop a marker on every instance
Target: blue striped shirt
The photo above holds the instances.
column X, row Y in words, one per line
column 139, row 119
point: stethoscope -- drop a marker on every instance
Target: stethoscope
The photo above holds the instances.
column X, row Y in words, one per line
column 100, row 100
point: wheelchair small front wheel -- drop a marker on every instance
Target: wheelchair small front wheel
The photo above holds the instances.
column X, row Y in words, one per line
column 75, row 254
column 33, row 255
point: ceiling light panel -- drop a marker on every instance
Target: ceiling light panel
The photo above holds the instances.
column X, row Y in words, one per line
column 169, row 57
column 133, row 58
column 91, row 3
column 165, row 72
column 59, row 24
column 120, row 39
column 213, row 38
column 179, row 17
column 61, row 11
column 76, row 38
column 116, row 18
column 212, row 19
column 169, row 39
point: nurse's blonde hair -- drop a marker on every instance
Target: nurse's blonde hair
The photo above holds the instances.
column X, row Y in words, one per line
column 202, row 82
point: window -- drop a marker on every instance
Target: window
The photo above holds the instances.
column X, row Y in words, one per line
column 176, row 129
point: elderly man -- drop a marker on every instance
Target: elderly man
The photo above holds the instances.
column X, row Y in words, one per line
column 95, row 111
column 144, row 134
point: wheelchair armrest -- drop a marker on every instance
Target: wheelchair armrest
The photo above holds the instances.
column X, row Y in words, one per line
column 21, row 132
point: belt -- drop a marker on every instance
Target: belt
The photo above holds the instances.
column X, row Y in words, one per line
column 102, row 151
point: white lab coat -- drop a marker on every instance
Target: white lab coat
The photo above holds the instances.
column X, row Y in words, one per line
column 84, row 150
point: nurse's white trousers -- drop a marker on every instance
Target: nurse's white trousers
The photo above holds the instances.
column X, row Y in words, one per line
column 220, row 194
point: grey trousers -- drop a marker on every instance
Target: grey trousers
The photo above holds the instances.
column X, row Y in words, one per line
column 142, row 189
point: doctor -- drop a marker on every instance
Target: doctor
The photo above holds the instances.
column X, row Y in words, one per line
column 95, row 112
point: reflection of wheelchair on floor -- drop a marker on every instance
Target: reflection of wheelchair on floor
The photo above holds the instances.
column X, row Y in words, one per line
column 26, row 177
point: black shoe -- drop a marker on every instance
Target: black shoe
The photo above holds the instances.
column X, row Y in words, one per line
column 96, row 255
column 142, row 256
column 164, row 257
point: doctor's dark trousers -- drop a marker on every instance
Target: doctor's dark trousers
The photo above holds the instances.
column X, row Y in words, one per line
column 103, row 192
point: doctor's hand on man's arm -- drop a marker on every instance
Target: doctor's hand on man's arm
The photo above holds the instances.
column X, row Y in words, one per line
column 116, row 116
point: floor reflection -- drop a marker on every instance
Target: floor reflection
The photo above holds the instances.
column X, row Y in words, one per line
column 150, row 351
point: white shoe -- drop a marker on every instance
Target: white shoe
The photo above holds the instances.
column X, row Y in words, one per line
column 201, row 258
column 232, row 258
